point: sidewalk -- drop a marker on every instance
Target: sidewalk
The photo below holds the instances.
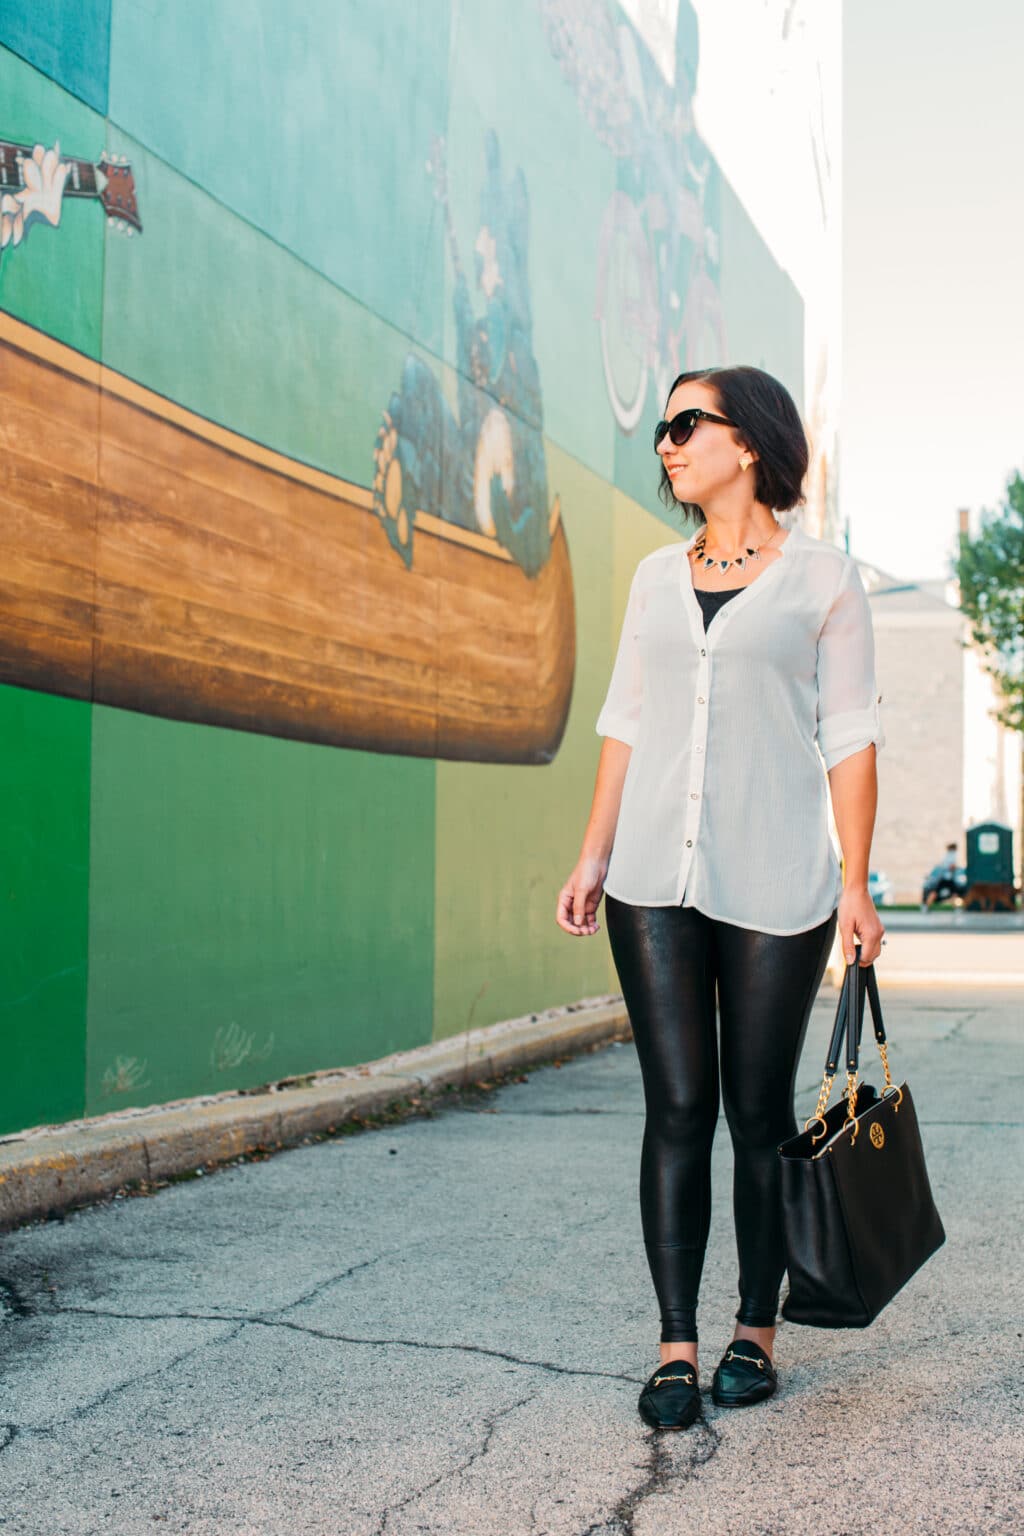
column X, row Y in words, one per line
column 442, row 1326
column 51, row 1169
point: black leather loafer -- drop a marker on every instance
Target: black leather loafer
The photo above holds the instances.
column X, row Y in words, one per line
column 744, row 1375
column 671, row 1398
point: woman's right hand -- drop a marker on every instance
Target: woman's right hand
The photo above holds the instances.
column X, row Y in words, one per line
column 579, row 897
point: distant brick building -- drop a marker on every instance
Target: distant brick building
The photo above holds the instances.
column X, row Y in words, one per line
column 945, row 764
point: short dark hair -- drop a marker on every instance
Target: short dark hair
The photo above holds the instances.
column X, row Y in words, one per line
column 767, row 421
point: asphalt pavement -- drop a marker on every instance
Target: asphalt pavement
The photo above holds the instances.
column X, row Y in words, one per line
column 443, row 1326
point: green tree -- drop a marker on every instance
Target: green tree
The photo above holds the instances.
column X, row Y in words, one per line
column 990, row 570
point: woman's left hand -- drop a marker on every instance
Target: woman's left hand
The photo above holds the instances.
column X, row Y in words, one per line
column 858, row 918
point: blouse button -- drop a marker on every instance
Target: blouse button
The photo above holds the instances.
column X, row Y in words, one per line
column 693, row 797
column 689, row 842
column 699, row 699
column 703, row 653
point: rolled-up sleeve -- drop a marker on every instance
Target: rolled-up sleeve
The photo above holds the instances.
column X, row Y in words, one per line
column 849, row 703
column 620, row 713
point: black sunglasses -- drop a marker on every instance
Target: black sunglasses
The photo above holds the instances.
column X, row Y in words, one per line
column 680, row 428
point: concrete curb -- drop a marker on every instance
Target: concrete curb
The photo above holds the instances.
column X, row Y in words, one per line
column 51, row 1169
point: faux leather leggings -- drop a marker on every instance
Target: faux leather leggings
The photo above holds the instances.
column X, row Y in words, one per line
column 670, row 961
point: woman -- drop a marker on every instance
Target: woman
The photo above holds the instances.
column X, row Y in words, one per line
column 744, row 652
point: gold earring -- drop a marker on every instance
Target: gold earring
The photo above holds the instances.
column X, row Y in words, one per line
column 745, row 461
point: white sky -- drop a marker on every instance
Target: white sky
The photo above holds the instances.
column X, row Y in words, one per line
column 933, row 315
column 931, row 413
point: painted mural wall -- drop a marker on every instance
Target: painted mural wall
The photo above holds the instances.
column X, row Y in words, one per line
column 330, row 354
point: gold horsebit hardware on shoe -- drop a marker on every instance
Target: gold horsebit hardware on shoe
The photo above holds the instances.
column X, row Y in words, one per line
column 659, row 1379
column 732, row 1355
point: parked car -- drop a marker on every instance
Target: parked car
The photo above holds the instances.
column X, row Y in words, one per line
column 943, row 884
column 880, row 888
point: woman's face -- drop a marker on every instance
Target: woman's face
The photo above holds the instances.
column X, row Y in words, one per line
column 709, row 460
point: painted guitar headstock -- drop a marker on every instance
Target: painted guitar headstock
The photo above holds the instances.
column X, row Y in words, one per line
column 117, row 192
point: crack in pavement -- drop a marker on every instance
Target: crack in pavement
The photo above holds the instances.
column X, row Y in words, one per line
column 10, row 1433
column 121, row 1386
column 490, row 1427
column 267, row 1320
column 664, row 1471
column 324, row 1285
column 56, row 1308
column 465, row 1349
column 469, row 1349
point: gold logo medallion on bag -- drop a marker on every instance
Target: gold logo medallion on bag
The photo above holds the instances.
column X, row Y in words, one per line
column 877, row 1134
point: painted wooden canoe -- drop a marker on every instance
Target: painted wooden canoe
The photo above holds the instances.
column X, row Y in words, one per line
column 156, row 561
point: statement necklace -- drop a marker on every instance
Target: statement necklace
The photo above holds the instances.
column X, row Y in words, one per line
column 698, row 553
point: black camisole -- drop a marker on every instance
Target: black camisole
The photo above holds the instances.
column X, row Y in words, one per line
column 711, row 602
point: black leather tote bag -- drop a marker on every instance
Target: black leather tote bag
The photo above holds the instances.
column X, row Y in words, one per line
column 858, row 1213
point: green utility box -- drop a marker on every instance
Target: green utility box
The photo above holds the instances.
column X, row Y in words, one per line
column 990, row 885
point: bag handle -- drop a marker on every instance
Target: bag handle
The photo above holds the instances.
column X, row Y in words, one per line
column 865, row 984
column 876, row 1019
column 859, row 981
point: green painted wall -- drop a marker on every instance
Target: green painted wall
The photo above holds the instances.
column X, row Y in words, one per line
column 45, row 789
column 205, row 309
column 188, row 908
column 247, row 919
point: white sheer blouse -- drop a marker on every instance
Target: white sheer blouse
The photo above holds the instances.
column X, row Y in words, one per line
column 725, row 801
